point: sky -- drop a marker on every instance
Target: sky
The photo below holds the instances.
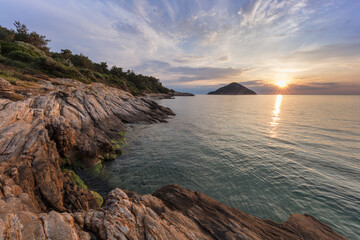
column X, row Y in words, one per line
column 313, row 46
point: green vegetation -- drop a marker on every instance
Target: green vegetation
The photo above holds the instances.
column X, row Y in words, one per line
column 96, row 169
column 28, row 53
column 78, row 181
column 13, row 76
column 118, row 143
column 66, row 163
column 111, row 156
column 97, row 197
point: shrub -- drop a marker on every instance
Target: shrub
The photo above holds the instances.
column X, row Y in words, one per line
column 21, row 56
column 6, row 34
column 99, row 76
column 81, row 61
column 50, row 65
column 7, row 47
column 13, row 63
column 88, row 74
column 31, row 49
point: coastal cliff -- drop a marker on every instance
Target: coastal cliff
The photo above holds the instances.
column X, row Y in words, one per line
column 50, row 127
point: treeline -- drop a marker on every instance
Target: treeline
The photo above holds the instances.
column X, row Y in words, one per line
column 29, row 52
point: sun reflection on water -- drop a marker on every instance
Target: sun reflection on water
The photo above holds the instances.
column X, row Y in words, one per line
column 275, row 116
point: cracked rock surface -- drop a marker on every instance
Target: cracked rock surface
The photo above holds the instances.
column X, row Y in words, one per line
column 62, row 119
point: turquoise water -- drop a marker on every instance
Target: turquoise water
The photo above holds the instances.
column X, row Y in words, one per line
column 268, row 156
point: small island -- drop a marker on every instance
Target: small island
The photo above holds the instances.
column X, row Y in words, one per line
column 233, row 89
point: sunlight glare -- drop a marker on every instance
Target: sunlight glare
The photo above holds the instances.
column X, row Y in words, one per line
column 275, row 116
column 281, row 83
column 276, row 110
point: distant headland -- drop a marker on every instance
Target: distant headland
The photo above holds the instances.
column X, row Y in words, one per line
column 233, row 89
column 183, row 94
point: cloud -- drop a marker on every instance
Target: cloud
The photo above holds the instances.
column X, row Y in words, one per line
column 205, row 42
column 264, row 12
column 324, row 88
column 127, row 28
column 224, row 59
column 209, row 74
column 253, row 83
column 186, row 59
column 153, row 65
column 313, row 86
column 182, row 74
column 339, row 50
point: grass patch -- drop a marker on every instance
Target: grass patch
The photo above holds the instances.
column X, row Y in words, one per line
column 11, row 79
column 13, row 75
column 12, row 96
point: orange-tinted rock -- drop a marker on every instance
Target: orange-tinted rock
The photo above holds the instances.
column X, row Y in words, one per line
column 67, row 120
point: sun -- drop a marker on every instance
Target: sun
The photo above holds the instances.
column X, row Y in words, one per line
column 281, row 83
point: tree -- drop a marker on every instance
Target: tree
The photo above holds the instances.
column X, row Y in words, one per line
column 38, row 41
column 101, row 67
column 21, row 31
column 66, row 53
column 6, row 34
column 117, row 71
column 81, row 61
column 104, row 67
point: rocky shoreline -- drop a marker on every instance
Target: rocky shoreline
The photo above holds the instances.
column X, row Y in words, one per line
column 50, row 126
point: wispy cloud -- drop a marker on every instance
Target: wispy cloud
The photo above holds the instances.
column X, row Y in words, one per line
column 342, row 51
column 267, row 12
column 187, row 75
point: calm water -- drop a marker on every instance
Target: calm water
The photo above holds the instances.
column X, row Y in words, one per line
column 268, row 156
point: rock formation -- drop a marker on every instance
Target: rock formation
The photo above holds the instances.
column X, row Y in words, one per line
column 170, row 213
column 233, row 89
column 64, row 122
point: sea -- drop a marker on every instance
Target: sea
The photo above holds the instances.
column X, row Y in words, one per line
column 267, row 155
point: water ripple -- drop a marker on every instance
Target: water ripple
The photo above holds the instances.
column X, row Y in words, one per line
column 266, row 155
